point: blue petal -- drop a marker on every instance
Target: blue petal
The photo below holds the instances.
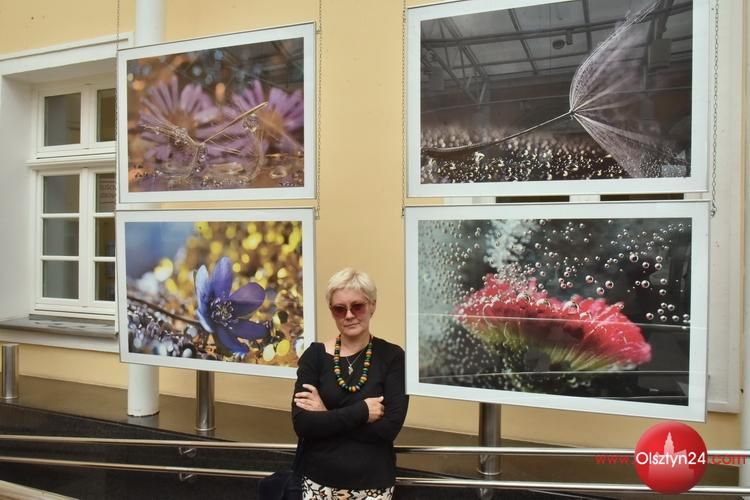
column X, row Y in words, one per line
column 221, row 280
column 249, row 330
column 203, row 291
column 247, row 299
column 229, row 341
column 205, row 322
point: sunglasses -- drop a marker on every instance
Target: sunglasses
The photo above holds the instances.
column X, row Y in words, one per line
column 340, row 311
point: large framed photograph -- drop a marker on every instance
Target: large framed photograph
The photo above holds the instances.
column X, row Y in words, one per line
column 216, row 290
column 592, row 307
column 227, row 117
column 547, row 97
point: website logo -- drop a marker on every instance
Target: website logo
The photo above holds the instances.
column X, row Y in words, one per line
column 670, row 457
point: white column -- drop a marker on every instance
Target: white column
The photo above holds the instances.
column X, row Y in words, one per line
column 143, row 381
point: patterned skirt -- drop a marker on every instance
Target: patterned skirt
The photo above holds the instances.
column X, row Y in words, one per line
column 314, row 491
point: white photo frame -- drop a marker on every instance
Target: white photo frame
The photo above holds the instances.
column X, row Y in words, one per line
column 216, row 290
column 504, row 61
column 193, row 126
column 488, row 320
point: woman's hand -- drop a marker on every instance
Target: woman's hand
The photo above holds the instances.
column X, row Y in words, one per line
column 375, row 409
column 309, row 400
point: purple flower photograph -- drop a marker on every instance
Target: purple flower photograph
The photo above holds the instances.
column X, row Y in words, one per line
column 224, row 113
column 222, row 289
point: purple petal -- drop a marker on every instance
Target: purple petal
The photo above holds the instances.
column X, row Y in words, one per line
column 174, row 93
column 257, row 93
column 229, row 340
column 187, row 102
column 248, row 330
column 203, row 290
column 247, row 299
column 205, row 323
column 221, row 281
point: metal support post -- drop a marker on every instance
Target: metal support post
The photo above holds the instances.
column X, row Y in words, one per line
column 489, row 435
column 204, row 416
column 10, row 371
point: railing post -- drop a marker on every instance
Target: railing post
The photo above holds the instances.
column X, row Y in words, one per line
column 204, row 415
column 10, row 371
column 489, row 435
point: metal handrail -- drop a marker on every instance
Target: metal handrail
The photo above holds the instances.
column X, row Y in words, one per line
column 402, row 481
column 466, row 450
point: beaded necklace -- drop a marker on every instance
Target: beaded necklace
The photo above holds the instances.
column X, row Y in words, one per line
column 337, row 367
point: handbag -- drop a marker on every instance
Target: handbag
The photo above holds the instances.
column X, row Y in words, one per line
column 283, row 485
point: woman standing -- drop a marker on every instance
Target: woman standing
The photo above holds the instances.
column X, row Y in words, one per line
column 349, row 400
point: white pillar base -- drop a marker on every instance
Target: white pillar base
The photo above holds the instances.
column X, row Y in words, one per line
column 143, row 390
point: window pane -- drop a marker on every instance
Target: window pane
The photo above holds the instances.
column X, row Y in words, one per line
column 105, row 115
column 61, row 194
column 60, row 279
column 60, row 237
column 105, row 193
column 105, row 281
column 105, row 237
column 62, row 119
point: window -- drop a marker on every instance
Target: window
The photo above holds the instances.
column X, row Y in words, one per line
column 76, row 232
column 75, row 118
column 73, row 155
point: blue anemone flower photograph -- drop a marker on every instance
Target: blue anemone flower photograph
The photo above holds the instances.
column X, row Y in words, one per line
column 225, row 291
column 222, row 311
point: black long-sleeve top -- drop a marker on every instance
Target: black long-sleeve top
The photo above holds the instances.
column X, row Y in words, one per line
column 340, row 449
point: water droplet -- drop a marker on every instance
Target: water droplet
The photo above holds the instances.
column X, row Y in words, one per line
column 645, row 284
column 633, row 257
column 649, row 316
column 645, row 265
column 570, row 307
column 600, row 291
column 609, row 284
column 589, row 279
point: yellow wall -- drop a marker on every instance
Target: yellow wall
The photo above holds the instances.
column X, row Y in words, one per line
column 361, row 182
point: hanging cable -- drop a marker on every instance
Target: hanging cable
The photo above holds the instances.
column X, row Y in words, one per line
column 404, row 143
column 714, row 141
column 318, row 92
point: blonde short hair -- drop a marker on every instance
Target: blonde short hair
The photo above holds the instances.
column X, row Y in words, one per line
column 352, row 279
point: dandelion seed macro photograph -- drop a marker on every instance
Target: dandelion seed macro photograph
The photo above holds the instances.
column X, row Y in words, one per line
column 216, row 290
column 573, row 306
column 557, row 97
column 225, row 117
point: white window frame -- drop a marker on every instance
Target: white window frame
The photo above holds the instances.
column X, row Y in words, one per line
column 86, row 305
column 88, row 88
